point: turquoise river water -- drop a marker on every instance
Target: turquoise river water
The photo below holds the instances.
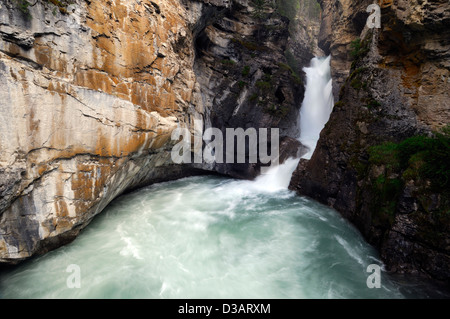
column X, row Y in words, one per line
column 208, row 237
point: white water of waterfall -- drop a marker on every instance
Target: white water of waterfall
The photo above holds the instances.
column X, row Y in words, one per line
column 314, row 114
column 317, row 104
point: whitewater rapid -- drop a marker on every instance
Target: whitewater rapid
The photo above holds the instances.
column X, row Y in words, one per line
column 207, row 237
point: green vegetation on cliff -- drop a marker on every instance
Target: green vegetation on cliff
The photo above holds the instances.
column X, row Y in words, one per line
column 421, row 162
column 23, row 5
column 418, row 157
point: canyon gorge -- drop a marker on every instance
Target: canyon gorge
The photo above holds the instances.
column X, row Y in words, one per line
column 91, row 91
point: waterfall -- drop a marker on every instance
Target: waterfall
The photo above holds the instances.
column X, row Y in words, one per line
column 314, row 114
column 317, row 104
column 278, row 177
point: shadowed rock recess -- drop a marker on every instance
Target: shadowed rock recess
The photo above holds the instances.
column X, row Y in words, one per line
column 383, row 159
column 91, row 92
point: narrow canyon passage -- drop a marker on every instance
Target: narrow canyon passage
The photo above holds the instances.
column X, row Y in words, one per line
column 317, row 104
column 93, row 203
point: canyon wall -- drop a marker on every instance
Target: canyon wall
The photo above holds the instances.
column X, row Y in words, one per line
column 245, row 79
column 89, row 100
column 382, row 160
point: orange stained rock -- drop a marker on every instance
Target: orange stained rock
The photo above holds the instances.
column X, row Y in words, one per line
column 96, row 80
column 385, row 3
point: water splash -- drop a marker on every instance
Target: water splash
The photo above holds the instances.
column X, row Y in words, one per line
column 314, row 114
column 317, row 104
column 277, row 178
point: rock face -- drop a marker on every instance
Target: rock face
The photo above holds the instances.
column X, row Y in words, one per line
column 337, row 31
column 244, row 76
column 91, row 93
column 412, row 43
column 88, row 103
column 393, row 86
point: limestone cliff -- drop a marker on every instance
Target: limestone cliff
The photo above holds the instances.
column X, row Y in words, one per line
column 91, row 92
column 382, row 160
column 88, row 102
